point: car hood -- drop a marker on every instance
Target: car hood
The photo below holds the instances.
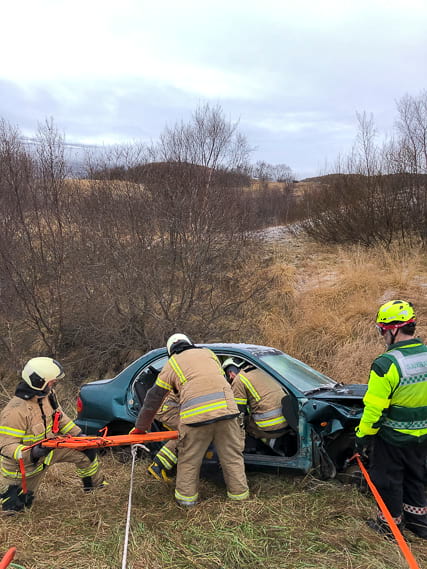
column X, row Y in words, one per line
column 344, row 403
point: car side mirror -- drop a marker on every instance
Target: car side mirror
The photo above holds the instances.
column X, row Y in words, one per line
column 290, row 411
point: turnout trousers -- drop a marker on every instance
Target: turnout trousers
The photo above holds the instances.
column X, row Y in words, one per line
column 398, row 473
column 228, row 437
column 11, row 479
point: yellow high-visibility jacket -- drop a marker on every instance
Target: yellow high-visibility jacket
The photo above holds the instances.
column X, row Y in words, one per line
column 396, row 399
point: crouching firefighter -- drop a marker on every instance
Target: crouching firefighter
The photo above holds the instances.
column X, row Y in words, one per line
column 32, row 415
column 167, row 457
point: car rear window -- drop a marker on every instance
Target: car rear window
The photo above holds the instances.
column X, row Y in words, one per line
column 299, row 374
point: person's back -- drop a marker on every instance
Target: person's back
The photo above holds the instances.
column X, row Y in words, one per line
column 204, row 393
column 262, row 395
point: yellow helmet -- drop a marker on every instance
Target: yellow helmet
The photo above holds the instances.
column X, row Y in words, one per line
column 38, row 372
column 395, row 314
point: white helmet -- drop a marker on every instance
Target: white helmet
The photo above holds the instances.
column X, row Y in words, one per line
column 230, row 362
column 38, row 372
column 175, row 339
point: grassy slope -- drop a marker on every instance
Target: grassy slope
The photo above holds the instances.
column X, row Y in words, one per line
column 320, row 309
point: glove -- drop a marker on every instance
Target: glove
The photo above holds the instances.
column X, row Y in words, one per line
column 362, row 447
column 136, row 431
column 38, row 452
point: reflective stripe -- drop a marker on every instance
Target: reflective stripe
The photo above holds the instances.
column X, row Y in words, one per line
column 167, row 458
column 18, row 452
column 413, row 367
column 31, row 438
column 202, row 399
column 11, row 432
column 271, row 422
column 177, row 369
column 15, row 474
column 163, row 385
column 242, row 496
column 249, row 386
column 67, row 428
column 48, row 458
column 409, row 425
column 417, row 510
column 378, row 402
column 203, row 409
column 240, row 401
column 188, row 499
column 381, row 516
column 90, row 470
column 273, row 413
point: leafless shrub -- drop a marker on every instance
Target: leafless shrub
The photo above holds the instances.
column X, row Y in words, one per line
column 379, row 194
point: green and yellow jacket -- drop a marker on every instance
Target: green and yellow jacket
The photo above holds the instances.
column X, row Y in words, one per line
column 396, row 399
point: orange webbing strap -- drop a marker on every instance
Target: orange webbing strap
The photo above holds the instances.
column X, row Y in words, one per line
column 7, row 558
column 395, row 530
column 24, row 478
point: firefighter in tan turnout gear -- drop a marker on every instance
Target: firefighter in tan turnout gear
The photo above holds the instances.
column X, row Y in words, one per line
column 208, row 414
column 32, row 415
column 257, row 392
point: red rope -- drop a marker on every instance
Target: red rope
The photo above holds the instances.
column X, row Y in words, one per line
column 7, row 558
column 395, row 530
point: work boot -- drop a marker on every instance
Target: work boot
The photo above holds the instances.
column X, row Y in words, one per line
column 89, row 486
column 158, row 472
column 383, row 528
column 416, row 525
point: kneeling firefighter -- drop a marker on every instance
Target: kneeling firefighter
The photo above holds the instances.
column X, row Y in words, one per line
column 32, row 415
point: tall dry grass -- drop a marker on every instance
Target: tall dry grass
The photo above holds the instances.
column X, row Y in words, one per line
column 322, row 306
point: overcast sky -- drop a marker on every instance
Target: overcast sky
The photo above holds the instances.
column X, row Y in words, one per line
column 293, row 73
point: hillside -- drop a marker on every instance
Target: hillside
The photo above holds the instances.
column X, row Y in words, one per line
column 319, row 307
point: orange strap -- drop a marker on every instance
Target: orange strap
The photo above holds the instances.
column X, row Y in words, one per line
column 395, row 530
column 24, row 478
column 7, row 558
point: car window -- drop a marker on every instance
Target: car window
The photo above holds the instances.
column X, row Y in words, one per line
column 299, row 374
column 133, row 398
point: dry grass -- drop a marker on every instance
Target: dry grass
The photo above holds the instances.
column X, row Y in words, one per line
column 324, row 301
column 289, row 522
column 320, row 308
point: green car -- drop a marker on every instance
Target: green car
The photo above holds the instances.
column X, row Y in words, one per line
column 322, row 414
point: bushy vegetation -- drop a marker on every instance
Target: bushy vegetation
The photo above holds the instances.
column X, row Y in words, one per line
column 378, row 194
column 97, row 270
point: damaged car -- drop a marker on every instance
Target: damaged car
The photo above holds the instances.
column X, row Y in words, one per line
column 321, row 413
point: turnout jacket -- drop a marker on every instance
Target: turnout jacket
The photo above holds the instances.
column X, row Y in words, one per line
column 28, row 419
column 396, row 399
column 168, row 414
column 196, row 376
column 263, row 395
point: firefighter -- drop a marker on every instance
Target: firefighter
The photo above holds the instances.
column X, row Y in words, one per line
column 208, row 414
column 166, row 459
column 257, row 392
column 394, row 420
column 32, row 415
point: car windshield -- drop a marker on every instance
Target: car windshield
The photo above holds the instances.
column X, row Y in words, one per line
column 302, row 376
